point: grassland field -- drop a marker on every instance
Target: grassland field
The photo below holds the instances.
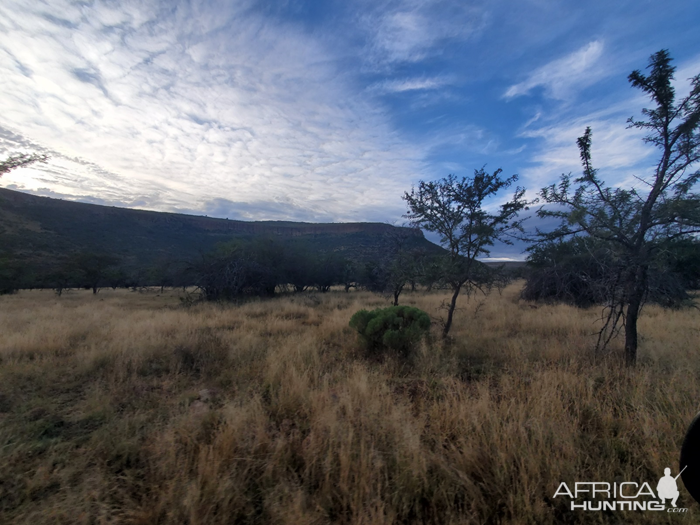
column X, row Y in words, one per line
column 129, row 407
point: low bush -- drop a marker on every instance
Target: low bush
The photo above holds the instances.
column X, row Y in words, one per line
column 397, row 328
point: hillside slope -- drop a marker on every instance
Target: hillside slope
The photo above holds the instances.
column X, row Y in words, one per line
column 42, row 231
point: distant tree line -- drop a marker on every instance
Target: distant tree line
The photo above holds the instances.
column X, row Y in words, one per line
column 583, row 271
column 263, row 267
column 244, row 267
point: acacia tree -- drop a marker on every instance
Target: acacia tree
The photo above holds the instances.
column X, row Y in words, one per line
column 401, row 270
column 400, row 266
column 637, row 224
column 94, row 268
column 19, row 161
column 453, row 208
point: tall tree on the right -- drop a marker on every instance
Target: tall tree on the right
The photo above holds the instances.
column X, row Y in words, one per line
column 638, row 224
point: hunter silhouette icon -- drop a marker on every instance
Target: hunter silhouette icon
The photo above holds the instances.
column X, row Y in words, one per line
column 667, row 487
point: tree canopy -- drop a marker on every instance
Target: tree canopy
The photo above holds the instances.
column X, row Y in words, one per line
column 636, row 223
column 454, row 209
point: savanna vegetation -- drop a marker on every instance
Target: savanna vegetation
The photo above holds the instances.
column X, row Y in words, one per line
column 288, row 385
column 129, row 407
column 51, row 243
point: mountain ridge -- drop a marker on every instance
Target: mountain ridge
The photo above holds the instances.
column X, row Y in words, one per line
column 41, row 229
column 233, row 225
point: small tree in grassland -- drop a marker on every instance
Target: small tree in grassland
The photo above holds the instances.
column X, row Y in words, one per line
column 94, row 268
column 453, row 208
column 400, row 267
column 637, row 224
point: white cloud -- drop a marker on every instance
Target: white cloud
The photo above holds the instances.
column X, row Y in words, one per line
column 414, row 30
column 684, row 73
column 618, row 153
column 188, row 104
column 563, row 76
column 410, row 84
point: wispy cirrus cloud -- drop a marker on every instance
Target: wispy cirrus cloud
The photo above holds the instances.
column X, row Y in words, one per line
column 619, row 153
column 562, row 76
column 410, row 84
column 414, row 30
column 189, row 101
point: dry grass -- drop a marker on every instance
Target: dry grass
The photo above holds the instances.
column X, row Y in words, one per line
column 127, row 408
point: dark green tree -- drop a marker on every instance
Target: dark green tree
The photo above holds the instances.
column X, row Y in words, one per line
column 12, row 276
column 300, row 263
column 349, row 276
column 396, row 268
column 374, row 276
column 62, row 277
column 453, row 208
column 245, row 267
column 683, row 257
column 163, row 273
column 429, row 271
column 402, row 265
column 93, row 269
column 637, row 223
column 583, row 270
column 328, row 270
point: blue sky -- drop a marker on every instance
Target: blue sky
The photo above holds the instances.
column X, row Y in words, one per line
column 322, row 110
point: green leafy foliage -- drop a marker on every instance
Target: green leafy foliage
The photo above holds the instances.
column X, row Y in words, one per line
column 94, row 268
column 11, row 277
column 397, row 328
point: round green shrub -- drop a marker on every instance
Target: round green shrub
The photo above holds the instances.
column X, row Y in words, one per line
column 397, row 328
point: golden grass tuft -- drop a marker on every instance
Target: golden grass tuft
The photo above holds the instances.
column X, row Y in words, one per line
column 129, row 408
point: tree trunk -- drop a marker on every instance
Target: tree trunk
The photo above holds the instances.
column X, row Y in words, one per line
column 633, row 308
column 631, row 335
column 397, row 292
column 451, row 311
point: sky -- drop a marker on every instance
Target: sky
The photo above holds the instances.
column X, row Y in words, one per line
column 323, row 110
